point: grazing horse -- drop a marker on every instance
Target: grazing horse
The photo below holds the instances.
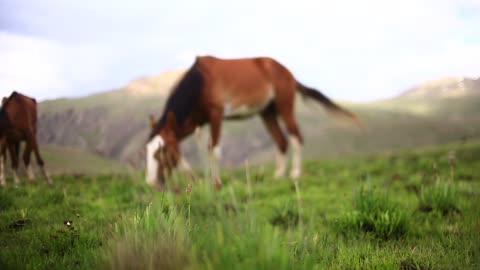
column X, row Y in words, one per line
column 214, row 89
column 18, row 122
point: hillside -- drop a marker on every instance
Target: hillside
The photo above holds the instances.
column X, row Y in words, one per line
column 114, row 124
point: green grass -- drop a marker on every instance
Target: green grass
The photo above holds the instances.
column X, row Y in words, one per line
column 376, row 214
column 440, row 197
column 256, row 222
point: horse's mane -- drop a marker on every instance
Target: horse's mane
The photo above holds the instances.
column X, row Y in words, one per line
column 7, row 100
column 182, row 99
column 4, row 119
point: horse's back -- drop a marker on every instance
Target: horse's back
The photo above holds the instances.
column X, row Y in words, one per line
column 243, row 85
column 22, row 112
column 242, row 68
column 243, row 73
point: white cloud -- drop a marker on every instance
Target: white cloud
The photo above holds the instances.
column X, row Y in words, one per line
column 46, row 69
column 30, row 65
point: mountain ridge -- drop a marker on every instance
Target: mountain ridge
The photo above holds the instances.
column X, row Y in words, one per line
column 444, row 87
column 114, row 124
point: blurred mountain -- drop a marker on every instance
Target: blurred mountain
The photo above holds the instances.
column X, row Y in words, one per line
column 114, row 124
column 444, row 87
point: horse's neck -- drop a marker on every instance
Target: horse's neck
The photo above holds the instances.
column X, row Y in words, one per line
column 186, row 131
column 190, row 126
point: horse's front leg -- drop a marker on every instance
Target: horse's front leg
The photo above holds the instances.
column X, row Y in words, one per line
column 214, row 146
column 3, row 159
column 184, row 166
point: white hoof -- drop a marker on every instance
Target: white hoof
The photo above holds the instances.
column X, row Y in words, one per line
column 30, row 175
column 279, row 174
column 16, row 180
column 295, row 174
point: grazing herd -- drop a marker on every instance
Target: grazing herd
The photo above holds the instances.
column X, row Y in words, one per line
column 212, row 90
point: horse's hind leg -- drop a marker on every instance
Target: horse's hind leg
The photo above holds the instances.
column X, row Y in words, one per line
column 269, row 117
column 34, row 146
column 13, row 150
column 26, row 160
column 296, row 142
column 285, row 107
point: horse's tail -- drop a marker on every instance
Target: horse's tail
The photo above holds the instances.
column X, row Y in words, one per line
column 331, row 107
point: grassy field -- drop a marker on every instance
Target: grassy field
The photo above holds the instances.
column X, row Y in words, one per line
column 71, row 160
column 405, row 210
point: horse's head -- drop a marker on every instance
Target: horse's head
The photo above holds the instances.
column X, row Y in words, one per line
column 162, row 150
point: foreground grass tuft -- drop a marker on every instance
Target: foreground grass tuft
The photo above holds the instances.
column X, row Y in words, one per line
column 410, row 264
column 152, row 239
column 441, row 197
column 374, row 213
column 286, row 217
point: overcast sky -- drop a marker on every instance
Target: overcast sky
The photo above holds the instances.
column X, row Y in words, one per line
column 351, row 50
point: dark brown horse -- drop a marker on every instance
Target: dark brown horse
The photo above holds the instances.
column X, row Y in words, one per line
column 214, row 89
column 18, row 122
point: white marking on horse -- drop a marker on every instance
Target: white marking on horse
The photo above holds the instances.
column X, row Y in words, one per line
column 296, row 158
column 214, row 156
column 217, row 152
column 152, row 164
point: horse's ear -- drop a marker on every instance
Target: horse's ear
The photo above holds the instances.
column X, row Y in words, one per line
column 171, row 120
column 4, row 100
column 151, row 120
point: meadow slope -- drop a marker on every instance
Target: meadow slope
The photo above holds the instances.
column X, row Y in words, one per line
column 400, row 210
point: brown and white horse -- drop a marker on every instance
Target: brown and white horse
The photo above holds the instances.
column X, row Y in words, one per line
column 18, row 122
column 214, row 89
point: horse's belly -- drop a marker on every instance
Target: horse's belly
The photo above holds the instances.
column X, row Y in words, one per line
column 246, row 104
column 240, row 112
column 244, row 111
